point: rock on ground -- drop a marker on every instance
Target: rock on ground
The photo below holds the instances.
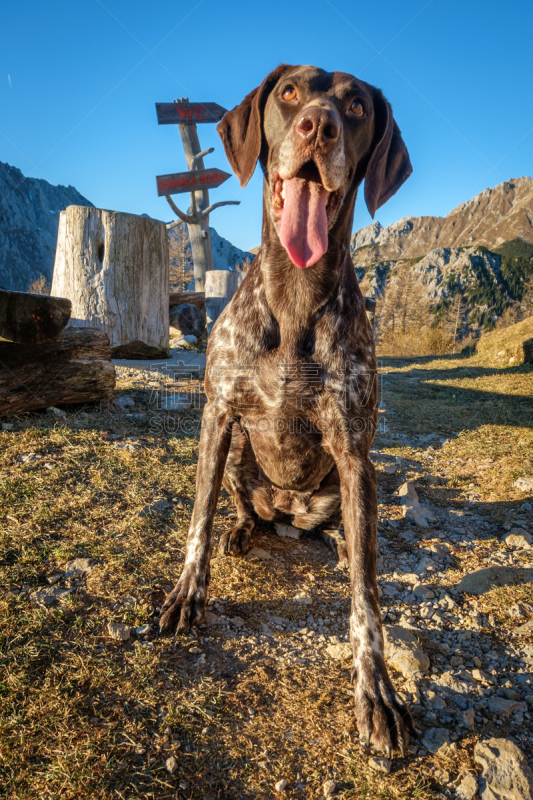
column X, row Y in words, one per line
column 505, row 771
column 403, row 652
column 49, row 595
column 483, row 580
column 339, row 652
column 79, row 566
column 118, row 631
column 467, row 789
column 380, row 764
column 525, row 484
column 287, row 531
column 435, row 738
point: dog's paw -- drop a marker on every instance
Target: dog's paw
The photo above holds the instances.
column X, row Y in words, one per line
column 237, row 540
column 184, row 605
column 383, row 719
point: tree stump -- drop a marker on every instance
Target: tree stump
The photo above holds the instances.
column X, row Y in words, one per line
column 75, row 367
column 220, row 286
column 114, row 269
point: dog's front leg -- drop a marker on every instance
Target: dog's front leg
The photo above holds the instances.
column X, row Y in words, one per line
column 185, row 605
column 382, row 718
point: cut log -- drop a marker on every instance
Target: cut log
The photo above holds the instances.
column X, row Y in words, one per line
column 32, row 318
column 191, row 298
column 75, row 367
column 114, row 269
column 220, row 286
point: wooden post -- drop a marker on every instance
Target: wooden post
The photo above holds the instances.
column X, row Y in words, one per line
column 198, row 233
column 114, row 269
column 220, row 286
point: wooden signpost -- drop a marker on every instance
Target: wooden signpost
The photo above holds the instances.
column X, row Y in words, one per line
column 186, row 115
column 190, row 181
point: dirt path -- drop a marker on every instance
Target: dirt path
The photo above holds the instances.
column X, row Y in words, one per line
column 261, row 694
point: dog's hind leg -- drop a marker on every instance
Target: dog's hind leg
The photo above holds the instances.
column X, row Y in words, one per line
column 241, row 469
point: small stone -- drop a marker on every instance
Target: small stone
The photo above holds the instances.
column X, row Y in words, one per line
column 142, row 630
column 423, row 591
column 259, row 553
column 504, row 708
column 213, row 619
column 469, row 718
column 118, row 631
column 52, row 579
column 435, row 738
column 518, row 539
column 403, row 652
column 517, row 611
column 380, row 764
column 482, row 677
column 49, row 596
column 195, row 650
column 124, row 402
column 171, row 765
column 527, row 627
column 524, row 484
column 505, row 771
column 55, row 412
column 280, row 785
column 237, row 622
column 304, row 598
column 79, row 566
column 202, row 659
column 467, row 789
column 391, row 469
column 329, row 788
column 7, row 426
column 288, row 531
column 483, row 580
column 339, row 652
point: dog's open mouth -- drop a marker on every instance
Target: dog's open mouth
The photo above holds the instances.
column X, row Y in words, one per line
column 304, row 209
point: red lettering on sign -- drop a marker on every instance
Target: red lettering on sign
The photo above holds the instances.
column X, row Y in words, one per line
column 199, row 112
column 185, row 112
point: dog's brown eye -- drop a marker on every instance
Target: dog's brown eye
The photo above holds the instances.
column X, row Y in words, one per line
column 357, row 108
column 289, row 93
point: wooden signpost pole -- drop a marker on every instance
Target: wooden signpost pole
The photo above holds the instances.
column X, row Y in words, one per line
column 198, row 231
column 186, row 115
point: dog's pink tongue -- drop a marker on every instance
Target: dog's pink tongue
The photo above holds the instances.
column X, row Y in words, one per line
column 304, row 224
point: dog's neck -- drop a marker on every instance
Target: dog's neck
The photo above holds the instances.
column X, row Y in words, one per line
column 295, row 295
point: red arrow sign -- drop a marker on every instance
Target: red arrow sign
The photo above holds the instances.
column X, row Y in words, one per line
column 190, row 181
column 188, row 113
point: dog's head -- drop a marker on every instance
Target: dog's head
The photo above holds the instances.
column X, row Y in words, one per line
column 316, row 134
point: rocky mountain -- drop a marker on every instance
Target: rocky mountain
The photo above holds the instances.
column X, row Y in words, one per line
column 491, row 218
column 473, row 265
column 29, row 218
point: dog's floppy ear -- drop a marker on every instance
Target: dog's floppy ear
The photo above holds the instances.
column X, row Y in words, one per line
column 389, row 165
column 241, row 129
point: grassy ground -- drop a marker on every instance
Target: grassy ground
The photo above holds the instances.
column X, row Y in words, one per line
column 84, row 716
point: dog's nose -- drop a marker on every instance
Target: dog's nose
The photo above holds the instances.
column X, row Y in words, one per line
column 319, row 125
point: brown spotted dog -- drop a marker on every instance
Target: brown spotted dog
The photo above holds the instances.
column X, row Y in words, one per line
column 291, row 369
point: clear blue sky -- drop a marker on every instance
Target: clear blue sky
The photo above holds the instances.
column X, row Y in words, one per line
column 78, row 83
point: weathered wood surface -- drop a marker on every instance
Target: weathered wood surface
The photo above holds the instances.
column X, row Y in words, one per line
column 198, row 234
column 75, row 367
column 191, row 298
column 188, row 113
column 114, row 267
column 220, row 286
column 180, row 182
column 32, row 318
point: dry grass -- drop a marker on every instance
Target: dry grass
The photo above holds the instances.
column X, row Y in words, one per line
column 83, row 716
